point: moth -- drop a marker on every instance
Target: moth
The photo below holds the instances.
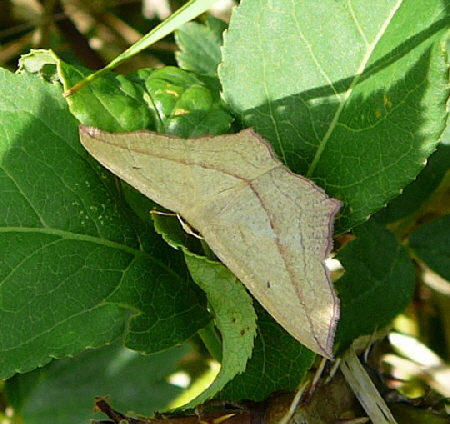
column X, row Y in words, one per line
column 272, row 228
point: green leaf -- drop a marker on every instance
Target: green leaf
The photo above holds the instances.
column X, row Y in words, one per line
column 234, row 315
column 184, row 14
column 64, row 390
column 377, row 285
column 71, row 253
column 229, row 302
column 113, row 103
column 278, row 362
column 185, row 104
column 352, row 99
column 200, row 45
column 421, row 189
column 168, row 100
column 431, row 243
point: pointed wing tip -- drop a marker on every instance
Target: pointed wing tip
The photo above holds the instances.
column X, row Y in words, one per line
column 334, row 206
column 325, row 350
column 337, row 204
column 328, row 354
column 325, row 347
column 87, row 130
column 323, row 341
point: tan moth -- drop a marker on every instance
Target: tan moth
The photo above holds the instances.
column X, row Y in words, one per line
column 272, row 228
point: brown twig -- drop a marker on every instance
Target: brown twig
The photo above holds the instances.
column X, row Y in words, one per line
column 220, row 416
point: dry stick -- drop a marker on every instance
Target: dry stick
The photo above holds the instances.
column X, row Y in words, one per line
column 365, row 390
column 80, row 45
column 234, row 416
column 306, row 389
column 45, row 24
column 189, row 11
